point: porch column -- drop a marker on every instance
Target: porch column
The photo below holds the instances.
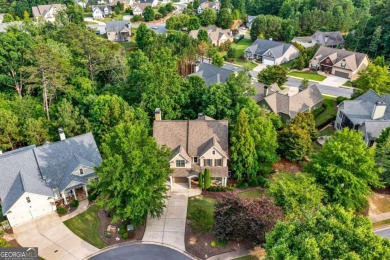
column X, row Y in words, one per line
column 189, row 183
column 171, row 181
column 74, row 194
column 64, row 197
column 224, row 182
column 86, row 190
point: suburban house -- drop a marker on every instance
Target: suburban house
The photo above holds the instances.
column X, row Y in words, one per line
column 367, row 113
column 341, row 63
column 126, row 3
column 138, row 8
column 101, row 11
column 118, row 31
column 249, row 20
column 271, row 52
column 153, row 3
column 217, row 36
column 196, row 145
column 288, row 105
column 263, row 90
column 204, row 4
column 82, row 3
column 47, row 12
column 33, row 179
column 212, row 74
column 329, row 39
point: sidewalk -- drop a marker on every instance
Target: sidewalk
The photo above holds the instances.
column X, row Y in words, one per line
column 230, row 255
column 83, row 206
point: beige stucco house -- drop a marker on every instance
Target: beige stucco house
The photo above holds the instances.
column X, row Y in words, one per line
column 47, row 12
column 341, row 63
column 217, row 36
column 196, row 145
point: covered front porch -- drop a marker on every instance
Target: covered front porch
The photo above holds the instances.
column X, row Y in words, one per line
column 75, row 193
column 192, row 181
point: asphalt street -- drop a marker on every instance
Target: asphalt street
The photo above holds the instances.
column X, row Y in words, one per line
column 141, row 252
column 326, row 90
column 383, row 233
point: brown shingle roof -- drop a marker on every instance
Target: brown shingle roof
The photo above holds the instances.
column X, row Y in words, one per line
column 353, row 59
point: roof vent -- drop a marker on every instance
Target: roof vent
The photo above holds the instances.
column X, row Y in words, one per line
column 62, row 134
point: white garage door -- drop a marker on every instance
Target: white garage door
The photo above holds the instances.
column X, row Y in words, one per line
column 42, row 209
column 16, row 218
column 268, row 62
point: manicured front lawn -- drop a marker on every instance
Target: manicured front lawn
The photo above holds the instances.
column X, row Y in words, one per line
column 86, row 226
column 307, row 75
column 252, row 194
column 201, row 213
column 241, row 46
column 326, row 113
column 247, row 64
column 329, row 130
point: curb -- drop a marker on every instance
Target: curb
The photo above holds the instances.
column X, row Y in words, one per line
column 316, row 81
column 142, row 243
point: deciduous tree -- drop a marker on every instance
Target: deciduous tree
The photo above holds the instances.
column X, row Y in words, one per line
column 273, row 74
column 294, row 143
column 148, row 13
column 208, row 17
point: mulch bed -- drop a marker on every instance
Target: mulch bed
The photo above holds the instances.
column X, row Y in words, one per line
column 199, row 244
column 286, row 166
column 105, row 221
column 382, row 191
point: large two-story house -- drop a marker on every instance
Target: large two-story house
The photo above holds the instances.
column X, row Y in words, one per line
column 118, row 31
column 217, row 36
column 367, row 113
column 101, row 11
column 47, row 12
column 271, row 52
column 33, row 179
column 196, row 145
column 204, row 4
column 341, row 63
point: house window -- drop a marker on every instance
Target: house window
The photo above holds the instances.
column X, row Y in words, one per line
column 342, row 65
column 195, row 159
column 213, row 152
column 218, row 162
column 81, row 171
column 208, row 162
column 341, row 114
column 180, row 163
column 28, row 199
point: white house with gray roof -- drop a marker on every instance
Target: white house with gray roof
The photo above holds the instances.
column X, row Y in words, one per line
column 367, row 113
column 271, row 52
column 33, row 179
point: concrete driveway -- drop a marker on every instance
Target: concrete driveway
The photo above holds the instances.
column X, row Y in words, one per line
column 253, row 73
column 53, row 239
column 334, row 81
column 170, row 228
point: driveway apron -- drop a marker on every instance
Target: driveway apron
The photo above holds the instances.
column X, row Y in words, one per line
column 53, row 239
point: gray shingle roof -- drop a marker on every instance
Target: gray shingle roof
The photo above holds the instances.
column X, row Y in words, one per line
column 292, row 105
column 212, row 74
column 117, row 26
column 327, row 38
column 260, row 46
column 373, row 128
column 39, row 170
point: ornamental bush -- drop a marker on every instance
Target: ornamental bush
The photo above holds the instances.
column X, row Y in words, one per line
column 75, row 203
column 62, row 210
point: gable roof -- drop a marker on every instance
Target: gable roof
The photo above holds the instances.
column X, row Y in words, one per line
column 212, row 74
column 42, row 10
column 117, row 26
column 260, row 47
column 327, row 38
column 353, row 59
column 292, row 105
column 101, row 8
column 208, row 4
column 192, row 135
column 19, row 173
column 141, row 6
column 259, row 87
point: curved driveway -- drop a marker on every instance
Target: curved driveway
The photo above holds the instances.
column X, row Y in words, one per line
column 141, row 252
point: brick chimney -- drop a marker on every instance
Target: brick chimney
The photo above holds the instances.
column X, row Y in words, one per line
column 379, row 110
column 157, row 114
column 62, row 134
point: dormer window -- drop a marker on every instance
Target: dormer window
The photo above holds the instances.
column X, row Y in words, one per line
column 342, row 65
column 213, row 152
column 180, row 163
column 28, row 199
column 81, row 171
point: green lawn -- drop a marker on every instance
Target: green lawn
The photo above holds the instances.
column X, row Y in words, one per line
column 128, row 45
column 329, row 130
column 247, row 64
column 201, row 213
column 86, row 226
column 241, row 46
column 288, row 65
column 348, row 84
column 252, row 194
column 327, row 114
column 307, row 75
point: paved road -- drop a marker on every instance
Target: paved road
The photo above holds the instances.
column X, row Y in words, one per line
column 327, row 90
column 383, row 233
column 141, row 252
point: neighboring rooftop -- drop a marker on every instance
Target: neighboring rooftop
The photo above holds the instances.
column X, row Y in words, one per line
column 327, row 38
column 117, row 26
column 42, row 10
column 260, row 46
column 212, row 74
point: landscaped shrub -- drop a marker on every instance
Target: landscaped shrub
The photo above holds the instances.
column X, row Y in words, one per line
column 62, row 210
column 213, row 244
column 201, row 180
column 340, row 99
column 263, row 182
column 202, row 221
column 253, row 183
column 136, row 18
column 207, row 178
column 125, row 235
column 92, row 197
column 243, row 185
column 75, row 203
column 157, row 16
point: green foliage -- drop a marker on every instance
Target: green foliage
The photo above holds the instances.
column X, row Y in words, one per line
column 75, row 203
column 194, row 23
column 218, row 60
column 273, row 74
column 201, row 180
column 346, row 169
column 203, row 35
column 207, row 178
column 294, row 143
column 306, row 122
column 125, row 235
column 92, row 197
column 133, row 173
column 208, row 17
column 382, row 155
column 225, row 18
column 163, row 10
column 375, row 77
column 62, row 210
column 202, row 221
column 148, row 13
column 296, row 193
column 9, row 132
column 178, row 22
column 329, row 233
column 144, row 36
